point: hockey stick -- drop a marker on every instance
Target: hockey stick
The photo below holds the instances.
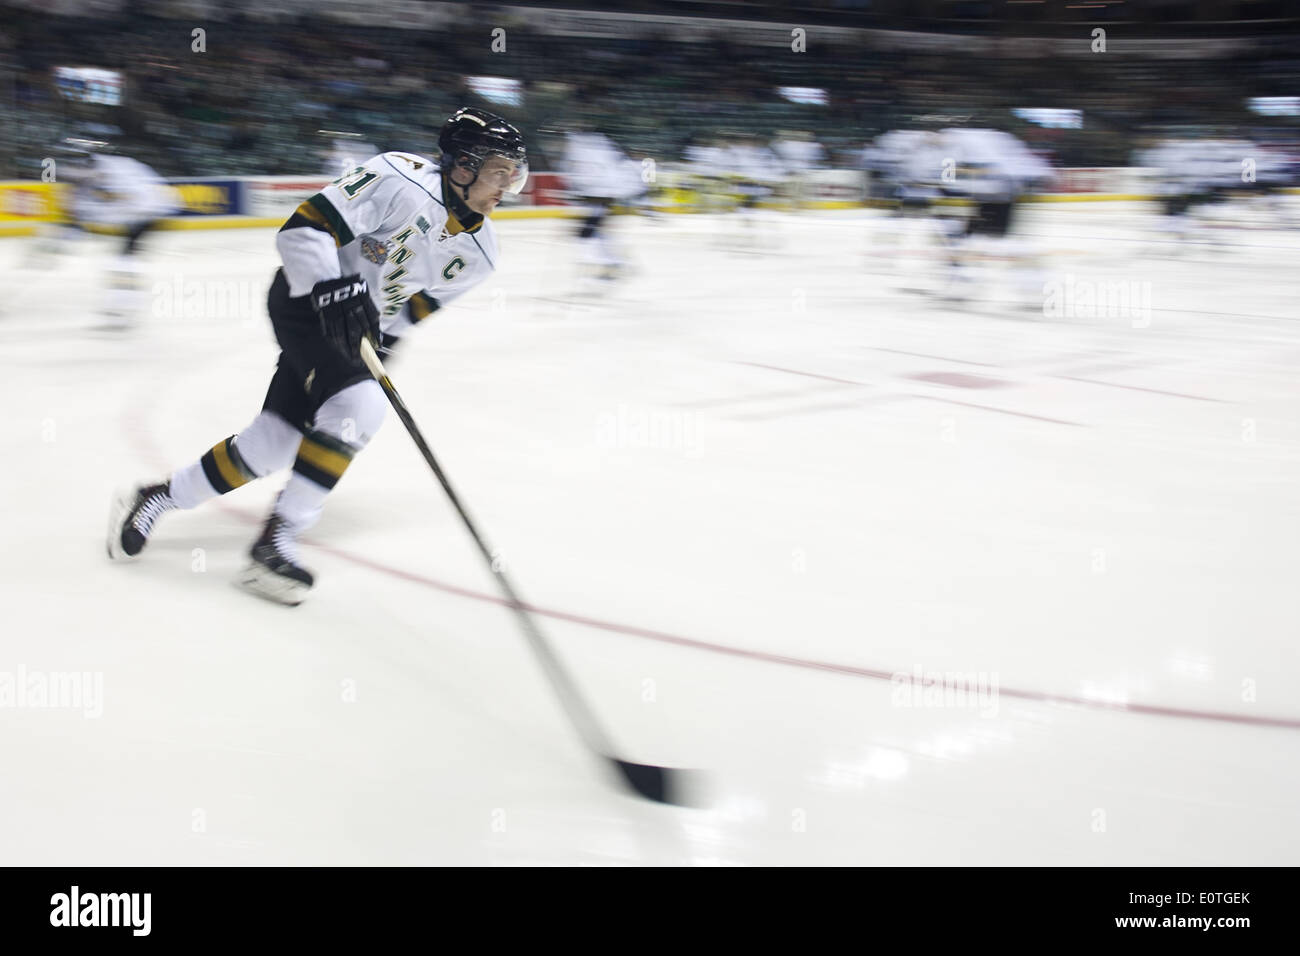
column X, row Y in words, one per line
column 662, row 784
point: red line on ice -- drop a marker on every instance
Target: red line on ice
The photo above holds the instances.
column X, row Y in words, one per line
column 135, row 427
column 848, row 670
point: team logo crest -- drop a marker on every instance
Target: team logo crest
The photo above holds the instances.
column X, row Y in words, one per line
column 374, row 250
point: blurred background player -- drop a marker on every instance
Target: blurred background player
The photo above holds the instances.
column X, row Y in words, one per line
column 644, row 199
column 600, row 175
column 115, row 193
column 1275, row 171
column 801, row 155
column 707, row 166
column 906, row 168
column 1175, row 181
column 1205, row 185
column 755, row 172
column 369, row 256
column 991, row 169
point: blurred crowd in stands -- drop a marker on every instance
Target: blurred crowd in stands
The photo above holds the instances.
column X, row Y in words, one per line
column 252, row 100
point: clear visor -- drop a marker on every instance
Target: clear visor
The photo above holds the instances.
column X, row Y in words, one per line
column 508, row 175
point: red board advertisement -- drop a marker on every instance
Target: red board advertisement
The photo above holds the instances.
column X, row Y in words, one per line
column 544, row 189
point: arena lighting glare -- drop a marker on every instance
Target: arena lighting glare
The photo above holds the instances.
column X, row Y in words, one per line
column 1051, row 118
column 808, row 95
column 1274, row 105
column 497, row 89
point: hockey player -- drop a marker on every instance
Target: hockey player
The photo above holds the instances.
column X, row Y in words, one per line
column 368, row 257
column 907, row 166
column 1179, row 182
column 992, row 169
column 706, row 162
column 755, row 172
column 599, row 176
column 802, row 156
column 118, row 192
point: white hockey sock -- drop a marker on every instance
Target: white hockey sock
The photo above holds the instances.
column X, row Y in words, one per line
column 589, row 250
column 189, row 488
column 344, row 425
column 219, row 470
column 268, row 444
column 608, row 251
column 301, row 502
column 125, row 294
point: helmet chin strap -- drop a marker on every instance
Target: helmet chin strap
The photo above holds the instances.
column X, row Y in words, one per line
column 465, row 188
column 465, row 212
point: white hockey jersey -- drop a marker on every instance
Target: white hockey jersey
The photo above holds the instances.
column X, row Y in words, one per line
column 989, row 165
column 800, row 155
column 387, row 222
column 595, row 167
column 117, row 190
column 756, row 163
column 706, row 160
column 909, row 162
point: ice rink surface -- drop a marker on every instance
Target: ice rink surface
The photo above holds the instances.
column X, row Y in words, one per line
column 746, row 488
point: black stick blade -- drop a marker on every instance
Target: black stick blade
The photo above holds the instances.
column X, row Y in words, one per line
column 681, row 788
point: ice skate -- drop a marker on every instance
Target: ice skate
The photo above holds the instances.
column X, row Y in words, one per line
column 273, row 571
column 132, row 517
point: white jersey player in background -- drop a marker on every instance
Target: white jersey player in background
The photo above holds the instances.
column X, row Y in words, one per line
column 801, row 155
column 706, row 163
column 1227, row 183
column 599, row 175
column 992, row 170
column 369, row 256
column 117, row 193
column 755, row 172
column 906, row 166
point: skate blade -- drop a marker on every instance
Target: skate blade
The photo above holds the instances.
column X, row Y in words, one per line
column 266, row 584
column 117, row 512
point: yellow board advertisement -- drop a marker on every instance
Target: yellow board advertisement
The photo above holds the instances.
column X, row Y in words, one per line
column 25, row 203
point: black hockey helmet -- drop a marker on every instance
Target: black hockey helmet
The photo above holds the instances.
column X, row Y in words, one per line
column 471, row 136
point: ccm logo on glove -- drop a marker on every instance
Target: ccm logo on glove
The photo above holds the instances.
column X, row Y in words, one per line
column 339, row 295
column 348, row 315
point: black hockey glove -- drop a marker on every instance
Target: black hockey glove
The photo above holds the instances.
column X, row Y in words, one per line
column 347, row 314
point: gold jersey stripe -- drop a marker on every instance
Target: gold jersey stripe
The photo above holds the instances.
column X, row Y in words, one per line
column 326, row 459
column 330, row 218
column 229, row 470
column 421, row 307
column 311, row 213
column 454, row 226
